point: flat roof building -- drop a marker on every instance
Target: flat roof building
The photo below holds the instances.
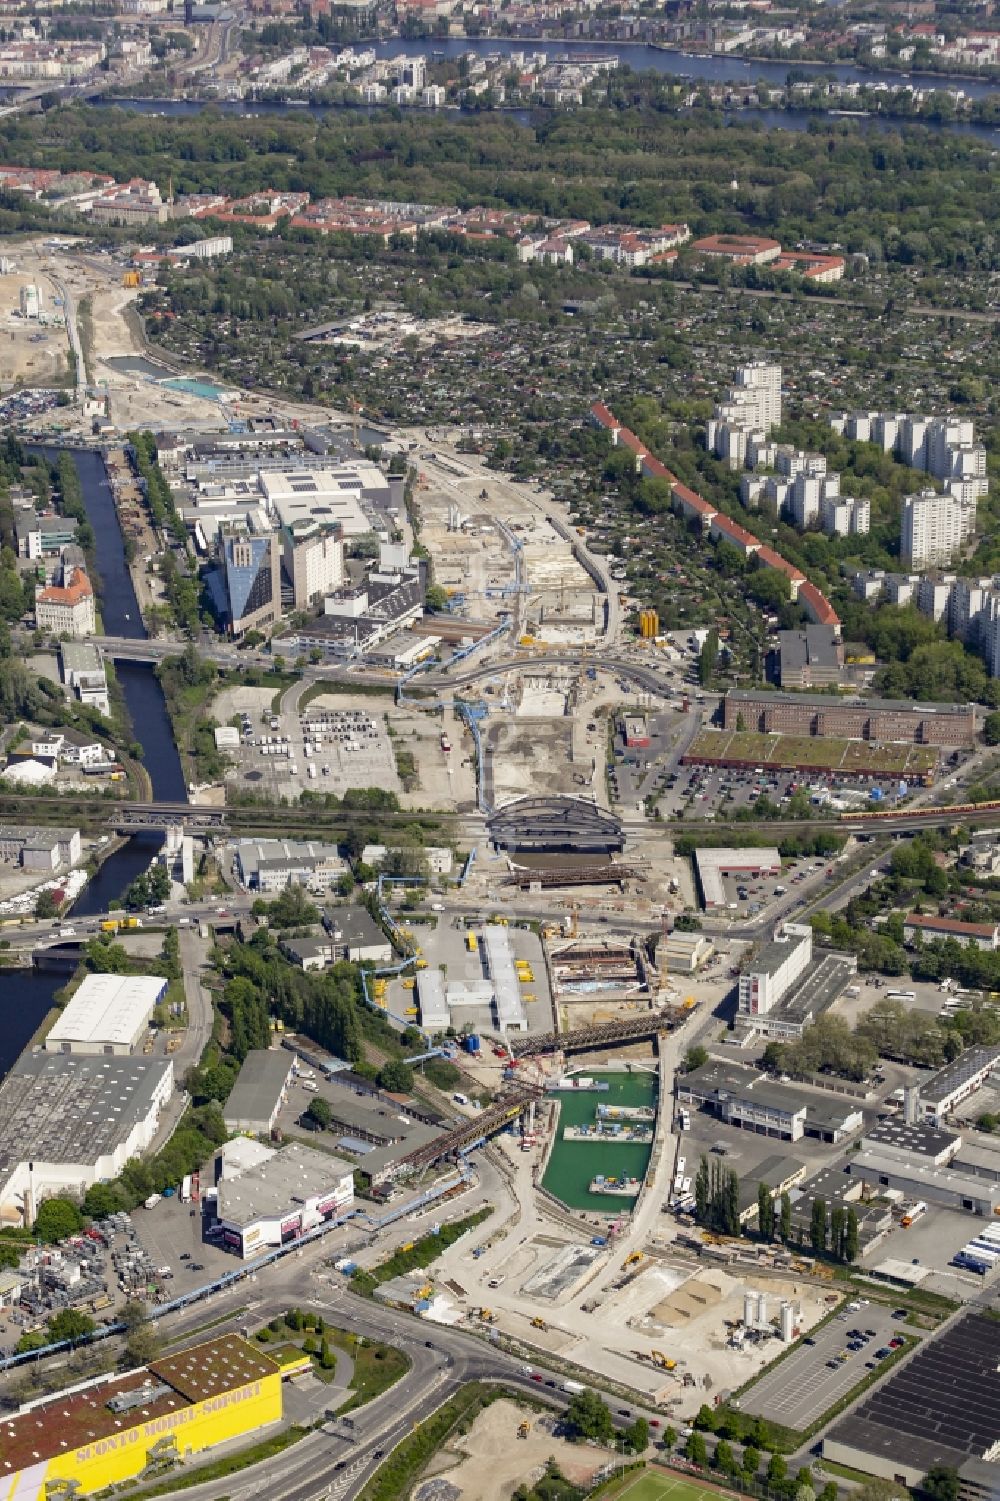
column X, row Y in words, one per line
column 920, row 1178
column 108, row 1014
column 68, row 1121
column 712, row 864
column 276, row 1201
column 850, row 718
column 979, row 935
column 957, row 1080
column 260, row 1090
column 812, row 658
column 503, row 975
column 783, row 988
column 940, row 1408
column 435, row 1015
column 357, row 935
column 748, row 1099
column 912, row 1140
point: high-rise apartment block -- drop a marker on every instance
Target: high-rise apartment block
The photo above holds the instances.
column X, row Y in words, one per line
column 935, row 528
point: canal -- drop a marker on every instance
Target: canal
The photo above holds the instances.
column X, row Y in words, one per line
column 573, row 1164
column 139, row 684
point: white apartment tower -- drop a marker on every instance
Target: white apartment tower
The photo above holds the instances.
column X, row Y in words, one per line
column 935, row 528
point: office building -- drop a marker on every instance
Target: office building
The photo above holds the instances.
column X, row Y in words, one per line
column 782, row 988
column 874, row 719
column 68, row 1121
column 44, row 849
column 813, row 658
column 313, row 558
column 67, row 609
column 935, row 528
column 252, row 578
column 107, row 1014
column 83, row 670
column 269, row 865
column 748, row 1099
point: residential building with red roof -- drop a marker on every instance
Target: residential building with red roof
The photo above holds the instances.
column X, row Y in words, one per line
column 818, row 607
column 980, row 935
column 67, row 608
column 724, row 529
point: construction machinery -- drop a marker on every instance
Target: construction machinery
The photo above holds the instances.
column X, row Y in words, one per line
column 538, row 1323
column 656, row 1358
column 487, row 1316
column 633, row 1258
column 523, row 1428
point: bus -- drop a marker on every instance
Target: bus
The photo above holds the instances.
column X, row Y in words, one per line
column 901, row 995
column 186, row 1189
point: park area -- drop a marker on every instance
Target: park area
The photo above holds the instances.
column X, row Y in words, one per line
column 808, row 753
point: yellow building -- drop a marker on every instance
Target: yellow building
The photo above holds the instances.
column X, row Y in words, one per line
column 138, row 1425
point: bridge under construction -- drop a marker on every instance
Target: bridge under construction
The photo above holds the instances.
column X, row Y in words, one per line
column 460, row 1138
column 599, row 1034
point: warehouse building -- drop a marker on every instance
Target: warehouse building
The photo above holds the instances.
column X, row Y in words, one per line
column 260, row 1090
column 68, row 1121
column 278, row 1200
column 121, row 1428
column 940, row 1408
column 957, row 1080
column 838, row 1190
column 500, row 967
column 918, row 1178
column 108, row 1014
column 912, row 1141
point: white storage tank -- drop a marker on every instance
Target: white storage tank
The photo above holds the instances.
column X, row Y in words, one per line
column 749, row 1309
column 787, row 1322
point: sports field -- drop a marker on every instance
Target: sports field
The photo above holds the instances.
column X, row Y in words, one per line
column 652, row 1485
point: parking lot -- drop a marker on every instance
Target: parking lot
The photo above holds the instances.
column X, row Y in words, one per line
column 825, row 1367
column 321, row 749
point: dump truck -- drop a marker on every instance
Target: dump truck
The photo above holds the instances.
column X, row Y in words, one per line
column 523, row 1428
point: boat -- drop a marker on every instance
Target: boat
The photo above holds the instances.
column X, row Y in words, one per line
column 626, row 1113
column 623, row 1188
column 625, row 1134
column 577, row 1081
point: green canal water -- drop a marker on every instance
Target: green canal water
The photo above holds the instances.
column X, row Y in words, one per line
column 572, row 1164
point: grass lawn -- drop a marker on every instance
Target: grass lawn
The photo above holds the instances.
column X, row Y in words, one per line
column 653, row 1485
column 376, row 1367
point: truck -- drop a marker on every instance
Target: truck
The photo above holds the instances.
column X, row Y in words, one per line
column 913, row 1212
column 573, row 1387
column 186, row 1189
column 311, row 769
column 460, row 1099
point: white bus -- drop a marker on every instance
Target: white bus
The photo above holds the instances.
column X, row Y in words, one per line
column 901, row 995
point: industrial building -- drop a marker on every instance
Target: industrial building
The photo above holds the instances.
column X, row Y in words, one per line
column 122, row 1428
column 260, row 1090
column 269, row 865
column 940, row 1408
column 748, row 1099
column 956, row 1081
column 850, row 718
column 500, row 968
column 108, row 1014
column 919, row 1178
column 356, row 935
column 783, row 988
column 44, row 849
column 279, row 1199
column 713, row 864
column 68, row 1121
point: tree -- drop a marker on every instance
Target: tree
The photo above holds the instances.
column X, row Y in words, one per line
column 829, row 1491
column 696, row 1449
column 817, row 1227
column 878, row 1489
column 695, row 1057
column 589, row 1417
column 396, row 1077
column 723, row 1458
column 35, row 1339
column 702, row 1188
column 669, row 1438
column 777, row 1469
column 57, row 1219
column 751, row 1460
column 70, row 1323
column 320, row 1113
column 100, row 1200
column 991, row 734
column 436, row 599
column 709, row 657
column 941, row 1482
column 47, row 904
column 636, row 1437
column 786, row 1218
column 851, row 1235
column 765, row 1212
